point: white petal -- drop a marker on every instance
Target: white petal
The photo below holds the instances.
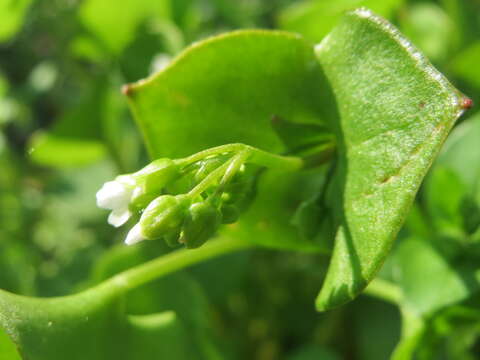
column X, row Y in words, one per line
column 113, row 195
column 118, row 217
column 134, row 235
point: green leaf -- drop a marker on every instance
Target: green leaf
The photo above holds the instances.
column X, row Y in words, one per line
column 429, row 282
column 89, row 325
column 313, row 352
column 78, row 137
column 226, row 90
column 7, row 348
column 12, row 13
column 430, row 28
column 396, row 110
column 177, row 292
column 115, row 25
column 462, row 153
column 315, row 18
column 464, row 65
column 59, row 151
column 444, row 195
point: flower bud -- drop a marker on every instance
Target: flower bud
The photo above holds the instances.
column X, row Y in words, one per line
column 151, row 180
column 163, row 215
column 172, row 238
column 308, row 218
column 230, row 213
column 201, row 223
column 240, row 193
column 116, row 196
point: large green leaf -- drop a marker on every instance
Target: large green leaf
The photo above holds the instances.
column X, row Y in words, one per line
column 89, row 325
column 396, row 110
column 177, row 292
column 225, row 90
column 165, row 319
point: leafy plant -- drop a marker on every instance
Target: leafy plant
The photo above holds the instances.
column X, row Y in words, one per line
column 259, row 139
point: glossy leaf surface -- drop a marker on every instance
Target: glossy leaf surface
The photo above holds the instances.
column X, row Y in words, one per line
column 396, row 110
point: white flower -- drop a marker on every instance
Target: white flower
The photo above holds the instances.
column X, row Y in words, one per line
column 116, row 196
column 134, row 235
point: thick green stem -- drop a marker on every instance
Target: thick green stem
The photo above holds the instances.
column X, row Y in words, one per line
column 174, row 261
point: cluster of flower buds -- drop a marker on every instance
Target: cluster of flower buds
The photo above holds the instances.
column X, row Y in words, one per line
column 220, row 187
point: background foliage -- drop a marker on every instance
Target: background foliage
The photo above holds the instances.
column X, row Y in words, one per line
column 65, row 129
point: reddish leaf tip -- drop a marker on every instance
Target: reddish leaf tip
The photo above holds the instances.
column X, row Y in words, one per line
column 127, row 89
column 466, row 103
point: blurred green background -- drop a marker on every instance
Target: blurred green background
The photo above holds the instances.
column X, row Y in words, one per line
column 65, row 129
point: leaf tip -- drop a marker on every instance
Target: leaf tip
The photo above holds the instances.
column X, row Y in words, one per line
column 330, row 298
column 466, row 103
column 127, row 90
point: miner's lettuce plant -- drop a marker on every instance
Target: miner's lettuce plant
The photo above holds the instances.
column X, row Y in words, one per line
column 236, row 126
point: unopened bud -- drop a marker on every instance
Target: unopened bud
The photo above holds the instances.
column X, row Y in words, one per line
column 230, row 213
column 151, row 180
column 164, row 215
column 201, row 223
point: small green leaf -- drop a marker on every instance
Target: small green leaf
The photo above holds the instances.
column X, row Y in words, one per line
column 444, row 194
column 462, row 153
column 465, row 64
column 430, row 282
column 396, row 110
column 12, row 13
column 76, row 138
column 313, row 352
column 102, row 18
column 315, row 18
column 430, row 28
column 7, row 347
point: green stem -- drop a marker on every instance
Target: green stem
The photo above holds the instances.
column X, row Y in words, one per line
column 258, row 157
column 384, row 290
column 210, row 178
column 413, row 329
column 235, row 165
column 157, row 268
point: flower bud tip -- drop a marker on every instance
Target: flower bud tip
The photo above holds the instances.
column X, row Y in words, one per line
column 134, row 235
column 118, row 217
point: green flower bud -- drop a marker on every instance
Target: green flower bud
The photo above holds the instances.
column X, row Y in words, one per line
column 201, row 223
column 173, row 238
column 151, row 180
column 308, row 218
column 164, row 215
column 240, row 194
column 230, row 213
column 470, row 211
